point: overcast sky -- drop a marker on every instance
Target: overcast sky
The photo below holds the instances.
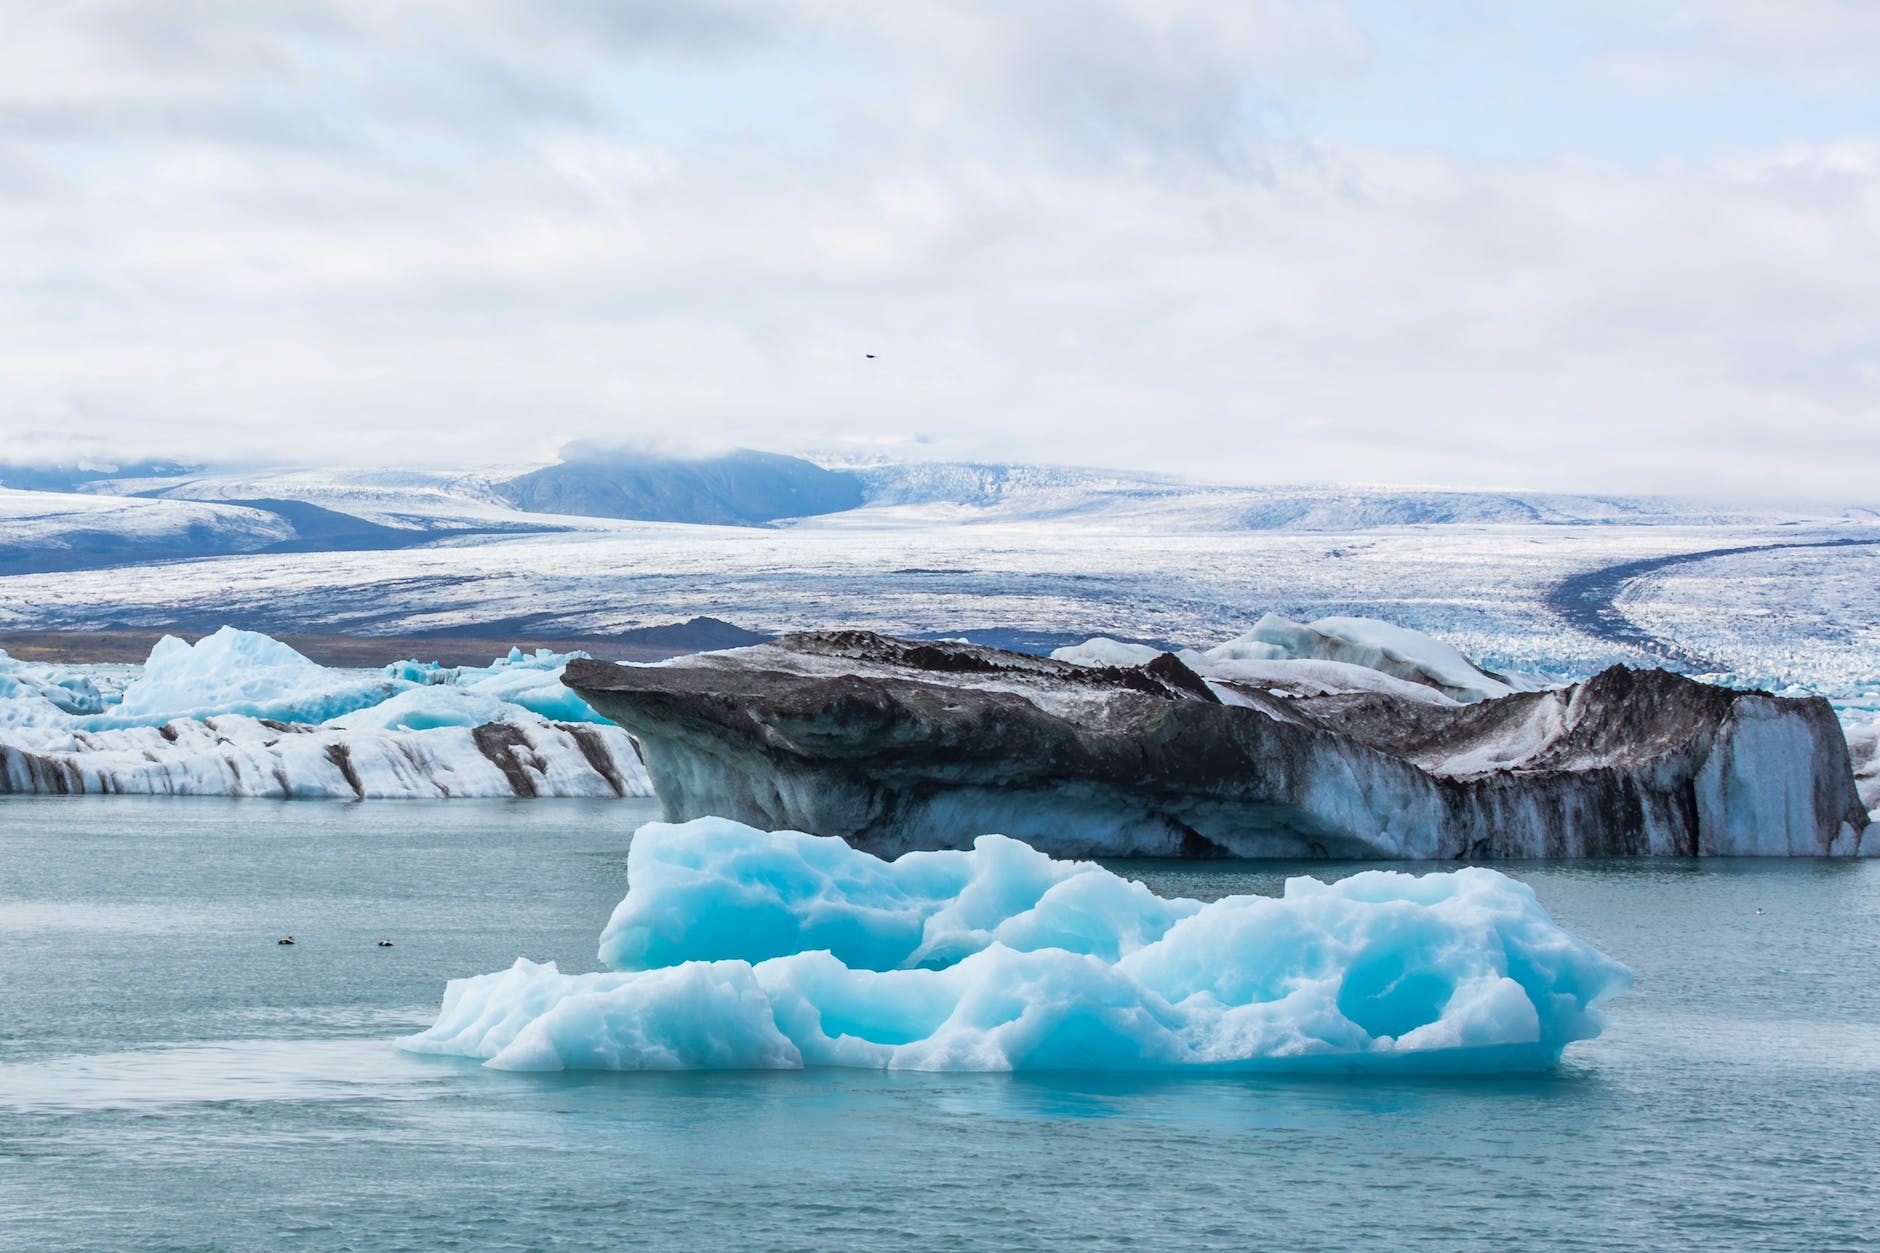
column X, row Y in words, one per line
column 1615, row 244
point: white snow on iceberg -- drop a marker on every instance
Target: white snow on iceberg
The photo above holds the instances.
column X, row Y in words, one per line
column 1323, row 657
column 738, row 949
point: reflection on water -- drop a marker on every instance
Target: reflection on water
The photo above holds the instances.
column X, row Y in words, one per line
column 195, row 1074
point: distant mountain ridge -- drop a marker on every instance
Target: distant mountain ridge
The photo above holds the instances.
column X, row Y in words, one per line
column 69, row 478
column 741, row 488
column 1034, row 491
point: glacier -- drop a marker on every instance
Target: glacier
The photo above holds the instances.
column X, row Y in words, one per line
column 239, row 713
column 742, row 949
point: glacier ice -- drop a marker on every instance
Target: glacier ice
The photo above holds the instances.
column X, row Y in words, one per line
column 1340, row 654
column 240, row 672
column 736, row 948
column 241, row 714
column 1863, row 746
column 1103, row 651
column 39, row 691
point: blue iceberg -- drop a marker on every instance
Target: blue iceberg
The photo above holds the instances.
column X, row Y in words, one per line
column 737, row 948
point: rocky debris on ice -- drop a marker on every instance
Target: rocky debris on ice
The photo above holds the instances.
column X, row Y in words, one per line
column 895, row 745
column 737, row 949
column 241, row 714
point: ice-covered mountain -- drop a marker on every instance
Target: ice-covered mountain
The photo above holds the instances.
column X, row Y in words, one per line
column 740, row 488
column 62, row 530
column 746, row 487
column 78, row 476
column 999, row 491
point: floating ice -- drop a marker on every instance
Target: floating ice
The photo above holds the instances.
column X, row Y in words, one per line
column 1330, row 655
column 241, row 714
column 1104, row 651
column 241, row 672
column 43, row 691
column 1375, row 645
column 530, row 681
column 1863, row 747
column 740, row 949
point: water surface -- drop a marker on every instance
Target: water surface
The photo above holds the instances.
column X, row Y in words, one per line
column 171, row 1078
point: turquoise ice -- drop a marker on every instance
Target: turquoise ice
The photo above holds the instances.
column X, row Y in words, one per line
column 741, row 949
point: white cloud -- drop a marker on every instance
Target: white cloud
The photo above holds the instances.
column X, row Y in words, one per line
column 376, row 232
column 1825, row 46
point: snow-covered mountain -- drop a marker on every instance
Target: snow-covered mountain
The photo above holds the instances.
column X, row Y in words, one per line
column 1030, row 491
column 65, row 530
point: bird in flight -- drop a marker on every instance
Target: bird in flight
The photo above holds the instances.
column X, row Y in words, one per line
column 869, row 355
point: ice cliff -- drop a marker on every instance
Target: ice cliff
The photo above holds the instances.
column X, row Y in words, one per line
column 896, row 745
column 241, row 714
column 737, row 949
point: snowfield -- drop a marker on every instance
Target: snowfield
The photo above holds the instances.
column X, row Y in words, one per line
column 1482, row 588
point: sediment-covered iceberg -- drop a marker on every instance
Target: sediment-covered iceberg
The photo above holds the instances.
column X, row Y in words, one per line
column 738, row 949
column 241, row 714
column 904, row 744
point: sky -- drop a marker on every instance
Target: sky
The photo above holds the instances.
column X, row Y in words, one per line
column 1623, row 245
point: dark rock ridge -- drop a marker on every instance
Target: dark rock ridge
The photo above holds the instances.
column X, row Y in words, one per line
column 897, row 744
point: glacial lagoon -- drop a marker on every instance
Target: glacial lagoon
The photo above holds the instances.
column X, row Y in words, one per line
column 172, row 1078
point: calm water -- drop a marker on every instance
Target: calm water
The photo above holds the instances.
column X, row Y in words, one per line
column 170, row 1078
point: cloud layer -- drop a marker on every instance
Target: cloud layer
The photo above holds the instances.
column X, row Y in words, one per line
column 1209, row 239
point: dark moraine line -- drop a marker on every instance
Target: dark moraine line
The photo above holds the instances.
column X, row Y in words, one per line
column 1586, row 600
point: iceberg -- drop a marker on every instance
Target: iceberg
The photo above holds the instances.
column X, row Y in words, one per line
column 241, row 714
column 530, row 681
column 1863, row 746
column 1331, row 655
column 240, row 672
column 738, row 948
column 898, row 745
column 33, row 692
